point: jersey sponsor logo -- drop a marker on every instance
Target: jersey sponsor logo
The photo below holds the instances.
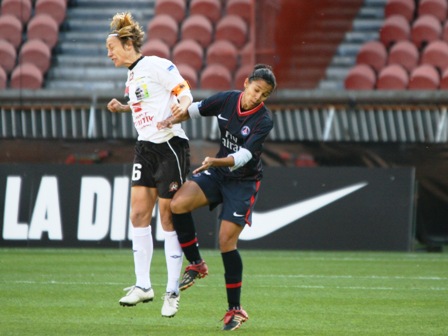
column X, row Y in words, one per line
column 245, row 131
column 222, row 118
column 273, row 220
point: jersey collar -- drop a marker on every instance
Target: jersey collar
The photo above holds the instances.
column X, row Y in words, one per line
column 132, row 66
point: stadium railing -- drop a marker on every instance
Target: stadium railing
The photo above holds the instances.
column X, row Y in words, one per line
column 315, row 115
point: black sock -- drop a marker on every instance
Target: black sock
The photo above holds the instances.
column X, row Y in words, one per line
column 233, row 268
column 186, row 234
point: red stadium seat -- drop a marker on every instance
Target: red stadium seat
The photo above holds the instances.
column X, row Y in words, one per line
column 37, row 53
column 189, row 74
column 3, row 78
column 436, row 54
column 43, row 27
column 216, row 77
column 197, row 27
column 395, row 28
column 55, row 8
column 247, row 54
column 372, row 53
column 156, row 47
column 11, row 29
column 437, row 8
column 241, row 74
column 243, row 8
column 425, row 29
column 8, row 56
column 232, row 28
column 189, row 52
column 26, row 76
column 392, row 77
column 444, row 80
column 360, row 77
column 404, row 53
column 223, row 52
column 211, row 9
column 400, row 7
column 163, row 27
column 21, row 9
column 424, row 77
column 174, row 8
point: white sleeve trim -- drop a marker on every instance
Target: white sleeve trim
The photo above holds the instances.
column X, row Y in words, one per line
column 241, row 158
column 193, row 110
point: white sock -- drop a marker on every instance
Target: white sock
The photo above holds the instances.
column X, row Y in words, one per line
column 174, row 259
column 143, row 248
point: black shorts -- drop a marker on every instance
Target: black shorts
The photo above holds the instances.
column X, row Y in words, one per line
column 163, row 166
column 238, row 197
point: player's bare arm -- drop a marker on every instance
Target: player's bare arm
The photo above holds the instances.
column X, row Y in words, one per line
column 115, row 106
column 215, row 162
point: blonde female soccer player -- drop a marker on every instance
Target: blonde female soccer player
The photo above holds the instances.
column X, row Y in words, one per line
column 155, row 90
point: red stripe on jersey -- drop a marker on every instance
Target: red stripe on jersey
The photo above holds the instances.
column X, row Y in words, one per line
column 252, row 201
column 235, row 285
column 191, row 242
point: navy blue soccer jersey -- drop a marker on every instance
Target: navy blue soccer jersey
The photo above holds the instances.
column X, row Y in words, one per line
column 246, row 129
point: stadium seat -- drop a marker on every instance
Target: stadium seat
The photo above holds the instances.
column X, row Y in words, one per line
column 197, row 27
column 209, row 8
column 424, row 77
column 437, row 8
column 163, row 27
column 404, row 53
column 174, row 8
column 394, row 28
column 436, row 54
column 156, row 47
column 360, row 77
column 425, row 29
column 232, row 28
column 3, row 78
column 37, row 53
column 216, row 77
column 11, row 29
column 43, row 27
column 242, row 8
column 444, row 80
column 223, row 52
column 26, row 76
column 247, row 54
column 400, row 7
column 392, row 77
column 8, row 55
column 372, row 53
column 21, row 9
column 55, row 8
column 189, row 74
column 189, row 52
column 241, row 74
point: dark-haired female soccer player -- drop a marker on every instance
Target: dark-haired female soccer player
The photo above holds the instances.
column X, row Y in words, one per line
column 232, row 179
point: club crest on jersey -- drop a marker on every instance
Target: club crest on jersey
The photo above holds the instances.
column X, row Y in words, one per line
column 245, row 131
column 174, row 186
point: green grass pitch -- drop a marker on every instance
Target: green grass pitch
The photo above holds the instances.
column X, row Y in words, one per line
column 76, row 292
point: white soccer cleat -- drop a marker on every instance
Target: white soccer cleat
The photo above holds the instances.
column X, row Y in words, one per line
column 136, row 295
column 170, row 304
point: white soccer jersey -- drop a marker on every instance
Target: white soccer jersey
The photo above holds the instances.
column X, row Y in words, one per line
column 149, row 88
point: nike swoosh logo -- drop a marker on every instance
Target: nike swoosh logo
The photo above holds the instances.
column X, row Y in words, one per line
column 271, row 221
column 222, row 118
column 237, row 215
